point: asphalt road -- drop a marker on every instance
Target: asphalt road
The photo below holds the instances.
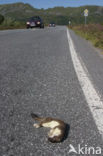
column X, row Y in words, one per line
column 37, row 75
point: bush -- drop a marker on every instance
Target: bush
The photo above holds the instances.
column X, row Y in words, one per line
column 10, row 23
column 1, row 19
column 92, row 32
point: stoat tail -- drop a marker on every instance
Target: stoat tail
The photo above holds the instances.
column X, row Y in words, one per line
column 36, row 117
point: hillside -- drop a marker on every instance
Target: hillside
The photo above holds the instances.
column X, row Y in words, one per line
column 60, row 15
column 18, row 11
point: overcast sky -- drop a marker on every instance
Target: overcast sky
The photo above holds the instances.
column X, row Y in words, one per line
column 52, row 3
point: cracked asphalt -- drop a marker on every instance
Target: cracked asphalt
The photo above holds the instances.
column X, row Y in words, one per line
column 37, row 75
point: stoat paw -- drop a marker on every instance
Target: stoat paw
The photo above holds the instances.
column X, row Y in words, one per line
column 36, row 125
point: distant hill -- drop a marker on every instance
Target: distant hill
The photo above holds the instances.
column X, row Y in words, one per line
column 60, row 15
column 18, row 11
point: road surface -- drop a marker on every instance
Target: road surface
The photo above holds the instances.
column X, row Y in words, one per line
column 37, row 75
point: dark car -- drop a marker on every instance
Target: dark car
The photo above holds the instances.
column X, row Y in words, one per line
column 52, row 24
column 35, row 21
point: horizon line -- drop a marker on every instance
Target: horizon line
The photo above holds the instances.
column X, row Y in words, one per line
column 51, row 7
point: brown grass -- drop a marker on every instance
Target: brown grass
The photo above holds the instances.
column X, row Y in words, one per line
column 92, row 32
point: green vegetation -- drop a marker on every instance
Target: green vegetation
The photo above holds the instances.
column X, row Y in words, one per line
column 60, row 15
column 92, row 32
column 10, row 23
column 1, row 19
column 16, row 15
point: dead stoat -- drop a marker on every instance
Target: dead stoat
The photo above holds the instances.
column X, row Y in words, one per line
column 57, row 127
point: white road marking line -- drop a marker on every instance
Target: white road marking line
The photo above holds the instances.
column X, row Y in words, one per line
column 33, row 29
column 92, row 96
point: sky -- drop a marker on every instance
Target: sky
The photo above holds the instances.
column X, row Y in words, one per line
column 52, row 3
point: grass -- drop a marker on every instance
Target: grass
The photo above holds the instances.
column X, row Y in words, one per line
column 12, row 27
column 10, row 23
column 92, row 32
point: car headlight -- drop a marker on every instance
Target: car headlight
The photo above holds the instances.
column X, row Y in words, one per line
column 38, row 22
column 27, row 22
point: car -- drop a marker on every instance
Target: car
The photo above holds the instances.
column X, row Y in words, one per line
column 52, row 24
column 34, row 21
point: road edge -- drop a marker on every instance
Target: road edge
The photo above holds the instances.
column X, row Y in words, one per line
column 91, row 95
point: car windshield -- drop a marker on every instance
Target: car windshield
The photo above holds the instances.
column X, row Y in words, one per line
column 35, row 18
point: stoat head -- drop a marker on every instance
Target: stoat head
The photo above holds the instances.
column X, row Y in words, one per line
column 55, row 139
column 55, row 135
